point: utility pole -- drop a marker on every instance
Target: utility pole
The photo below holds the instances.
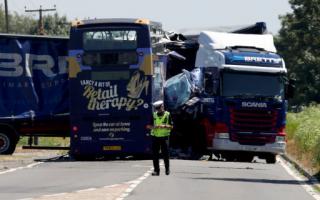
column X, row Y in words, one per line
column 6, row 14
column 41, row 28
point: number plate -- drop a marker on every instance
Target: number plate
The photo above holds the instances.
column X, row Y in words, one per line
column 253, row 148
column 112, row 148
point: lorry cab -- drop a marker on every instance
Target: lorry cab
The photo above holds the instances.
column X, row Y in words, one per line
column 244, row 100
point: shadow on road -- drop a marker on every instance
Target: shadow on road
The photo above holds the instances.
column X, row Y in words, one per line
column 62, row 158
column 241, row 168
column 249, row 180
column 68, row 158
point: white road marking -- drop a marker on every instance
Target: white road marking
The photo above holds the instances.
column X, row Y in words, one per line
column 54, row 195
column 301, row 179
column 134, row 184
column 19, row 168
column 87, row 190
column 26, row 199
column 110, row 186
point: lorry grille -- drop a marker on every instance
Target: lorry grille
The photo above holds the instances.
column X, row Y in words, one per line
column 248, row 126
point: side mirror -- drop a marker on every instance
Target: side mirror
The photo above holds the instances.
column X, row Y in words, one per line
column 211, row 80
column 290, row 87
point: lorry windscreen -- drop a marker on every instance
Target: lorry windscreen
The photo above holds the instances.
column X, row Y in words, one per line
column 242, row 84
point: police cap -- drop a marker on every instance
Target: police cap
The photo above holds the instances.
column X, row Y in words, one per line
column 157, row 104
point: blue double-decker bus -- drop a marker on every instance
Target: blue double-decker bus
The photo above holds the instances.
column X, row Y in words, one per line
column 116, row 70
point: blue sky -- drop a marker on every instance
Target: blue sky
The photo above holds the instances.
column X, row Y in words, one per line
column 174, row 14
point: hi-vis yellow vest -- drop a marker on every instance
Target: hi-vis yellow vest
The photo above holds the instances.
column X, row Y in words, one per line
column 162, row 120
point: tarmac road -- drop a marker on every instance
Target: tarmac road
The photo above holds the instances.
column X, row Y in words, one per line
column 131, row 180
column 222, row 181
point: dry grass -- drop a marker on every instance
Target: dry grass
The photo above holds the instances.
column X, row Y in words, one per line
column 47, row 141
column 305, row 159
column 303, row 133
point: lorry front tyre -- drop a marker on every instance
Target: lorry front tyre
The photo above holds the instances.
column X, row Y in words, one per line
column 228, row 157
column 7, row 143
column 271, row 159
column 245, row 158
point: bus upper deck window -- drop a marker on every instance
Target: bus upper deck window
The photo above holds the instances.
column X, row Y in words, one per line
column 110, row 40
column 110, row 47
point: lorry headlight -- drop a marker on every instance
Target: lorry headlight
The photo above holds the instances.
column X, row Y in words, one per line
column 222, row 135
column 280, row 139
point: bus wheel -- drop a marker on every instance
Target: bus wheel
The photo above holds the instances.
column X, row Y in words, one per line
column 271, row 158
column 77, row 157
column 7, row 142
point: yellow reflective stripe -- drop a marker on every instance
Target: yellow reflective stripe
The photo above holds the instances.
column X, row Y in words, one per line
column 76, row 23
column 147, row 65
column 142, row 21
column 74, row 67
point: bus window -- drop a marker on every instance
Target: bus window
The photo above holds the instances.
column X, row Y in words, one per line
column 101, row 59
column 110, row 40
column 109, row 47
column 159, row 79
column 156, row 36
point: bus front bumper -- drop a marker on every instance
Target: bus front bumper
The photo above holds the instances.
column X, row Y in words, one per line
column 228, row 145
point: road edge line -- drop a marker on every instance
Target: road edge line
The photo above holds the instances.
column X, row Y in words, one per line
column 308, row 184
column 20, row 168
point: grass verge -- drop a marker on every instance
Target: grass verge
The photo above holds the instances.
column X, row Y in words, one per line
column 47, row 141
column 303, row 135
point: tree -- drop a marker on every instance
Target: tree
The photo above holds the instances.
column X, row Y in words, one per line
column 56, row 25
column 299, row 43
column 24, row 24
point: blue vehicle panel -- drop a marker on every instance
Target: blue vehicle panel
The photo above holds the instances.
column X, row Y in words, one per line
column 33, row 76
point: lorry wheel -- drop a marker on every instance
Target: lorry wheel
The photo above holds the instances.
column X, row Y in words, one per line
column 245, row 158
column 229, row 157
column 271, row 159
column 7, row 143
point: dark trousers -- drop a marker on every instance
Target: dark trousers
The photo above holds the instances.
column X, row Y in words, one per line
column 163, row 144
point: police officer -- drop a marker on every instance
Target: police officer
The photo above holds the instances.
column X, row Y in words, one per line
column 160, row 132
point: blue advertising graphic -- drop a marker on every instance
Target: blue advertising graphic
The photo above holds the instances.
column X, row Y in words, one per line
column 33, row 76
column 253, row 59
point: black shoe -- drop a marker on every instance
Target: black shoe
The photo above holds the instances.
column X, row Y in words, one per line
column 155, row 174
column 167, row 171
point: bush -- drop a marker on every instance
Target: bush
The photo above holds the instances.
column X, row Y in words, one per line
column 304, row 129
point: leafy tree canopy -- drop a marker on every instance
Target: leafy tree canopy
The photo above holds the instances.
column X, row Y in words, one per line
column 299, row 43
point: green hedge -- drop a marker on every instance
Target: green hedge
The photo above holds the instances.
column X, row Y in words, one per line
column 304, row 129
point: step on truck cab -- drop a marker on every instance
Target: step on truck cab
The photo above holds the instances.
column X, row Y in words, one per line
column 245, row 95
